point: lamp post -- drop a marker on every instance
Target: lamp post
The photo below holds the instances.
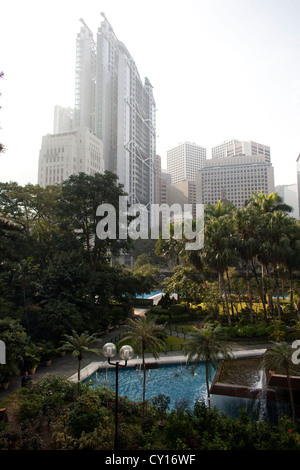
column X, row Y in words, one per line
column 126, row 353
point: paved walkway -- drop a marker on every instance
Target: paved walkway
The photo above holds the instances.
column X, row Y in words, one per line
column 67, row 366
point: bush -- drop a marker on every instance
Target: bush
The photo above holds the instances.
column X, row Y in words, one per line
column 85, row 415
column 31, row 408
column 87, row 422
column 248, row 331
column 46, row 398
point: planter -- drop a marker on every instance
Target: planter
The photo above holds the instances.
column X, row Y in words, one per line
column 32, row 371
column 62, row 353
column 48, row 363
column 5, row 385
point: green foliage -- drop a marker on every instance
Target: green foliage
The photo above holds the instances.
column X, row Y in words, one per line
column 85, row 415
column 186, row 283
column 54, row 273
column 240, row 330
column 46, row 397
column 15, row 338
column 86, row 422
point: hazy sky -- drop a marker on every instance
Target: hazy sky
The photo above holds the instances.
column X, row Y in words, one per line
column 220, row 69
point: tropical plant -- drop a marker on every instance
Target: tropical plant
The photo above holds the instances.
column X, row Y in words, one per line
column 278, row 358
column 247, row 246
column 32, row 356
column 80, row 344
column 14, row 336
column 143, row 333
column 186, row 283
column 219, row 250
column 207, row 344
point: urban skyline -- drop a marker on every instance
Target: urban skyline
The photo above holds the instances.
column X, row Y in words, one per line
column 260, row 100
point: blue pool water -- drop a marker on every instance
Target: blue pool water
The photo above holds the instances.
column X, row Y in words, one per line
column 147, row 296
column 179, row 383
column 174, row 380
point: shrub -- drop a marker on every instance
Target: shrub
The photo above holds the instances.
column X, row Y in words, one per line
column 85, row 415
column 100, row 438
column 31, row 408
column 46, row 398
column 161, row 403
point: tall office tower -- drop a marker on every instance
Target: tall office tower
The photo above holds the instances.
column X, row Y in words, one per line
column 220, row 151
column 235, row 147
column 125, row 118
column 113, row 103
column 157, row 179
column 68, row 153
column 183, row 193
column 235, row 178
column 63, row 119
column 184, row 160
column 162, row 182
column 85, row 79
column 298, row 181
column 289, row 195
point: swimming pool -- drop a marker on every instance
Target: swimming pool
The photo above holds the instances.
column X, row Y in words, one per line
column 173, row 380
column 148, row 296
column 179, row 383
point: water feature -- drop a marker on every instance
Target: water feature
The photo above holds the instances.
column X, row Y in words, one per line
column 148, row 296
column 174, row 380
column 180, row 384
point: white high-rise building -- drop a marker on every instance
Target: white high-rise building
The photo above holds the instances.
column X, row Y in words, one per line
column 125, row 117
column 63, row 119
column 85, row 79
column 68, row 153
column 289, row 195
column 234, row 147
column 298, row 181
column 234, row 178
column 117, row 107
column 184, row 161
column 220, row 150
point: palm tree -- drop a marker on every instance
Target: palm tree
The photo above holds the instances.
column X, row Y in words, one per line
column 144, row 333
column 246, row 226
column 292, row 258
column 279, row 358
column 218, row 210
column 170, row 248
column 80, row 344
column 275, row 245
column 207, row 344
column 268, row 209
column 271, row 203
column 219, row 250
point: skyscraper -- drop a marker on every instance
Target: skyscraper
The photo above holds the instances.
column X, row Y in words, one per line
column 67, row 153
column 234, row 178
column 234, row 147
column 298, row 181
column 115, row 105
column 184, row 160
column 125, row 114
column 85, row 79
